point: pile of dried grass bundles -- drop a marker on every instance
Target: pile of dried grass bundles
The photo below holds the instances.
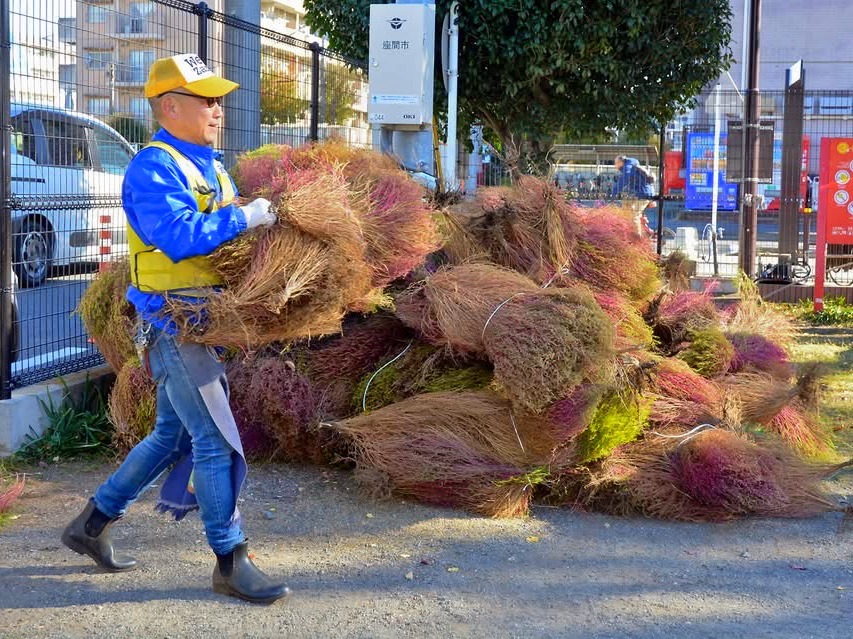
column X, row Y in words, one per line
column 108, row 316
column 452, row 449
column 527, row 227
column 338, row 239
column 541, row 342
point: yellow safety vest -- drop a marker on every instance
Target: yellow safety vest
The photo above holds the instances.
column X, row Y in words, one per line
column 151, row 270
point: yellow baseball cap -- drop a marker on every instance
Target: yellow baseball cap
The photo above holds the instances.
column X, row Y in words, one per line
column 186, row 71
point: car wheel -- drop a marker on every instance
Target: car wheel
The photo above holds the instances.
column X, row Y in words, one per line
column 33, row 253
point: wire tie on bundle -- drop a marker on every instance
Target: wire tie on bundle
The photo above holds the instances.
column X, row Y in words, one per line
column 686, row 437
column 483, row 334
column 518, row 437
column 364, row 397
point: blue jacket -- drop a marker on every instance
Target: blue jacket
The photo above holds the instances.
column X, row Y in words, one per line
column 632, row 182
column 161, row 208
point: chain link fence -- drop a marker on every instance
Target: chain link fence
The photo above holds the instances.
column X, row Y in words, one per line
column 77, row 114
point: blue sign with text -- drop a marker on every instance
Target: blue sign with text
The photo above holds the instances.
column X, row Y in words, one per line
column 698, row 187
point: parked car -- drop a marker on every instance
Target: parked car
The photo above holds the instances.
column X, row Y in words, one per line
column 67, row 169
column 15, row 334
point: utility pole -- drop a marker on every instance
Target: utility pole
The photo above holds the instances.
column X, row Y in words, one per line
column 749, row 223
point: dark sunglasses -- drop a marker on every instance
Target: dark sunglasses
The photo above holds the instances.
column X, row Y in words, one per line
column 211, row 102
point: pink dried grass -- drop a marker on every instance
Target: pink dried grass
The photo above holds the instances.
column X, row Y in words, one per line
column 450, row 449
column 682, row 396
column 674, row 316
column 286, row 406
column 802, row 432
column 527, row 227
column 9, row 496
column 572, row 414
column 541, row 342
column 610, row 256
column 723, row 471
column 335, row 364
column 760, row 353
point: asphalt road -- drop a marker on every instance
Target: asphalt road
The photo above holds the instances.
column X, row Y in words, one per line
column 50, row 329
column 397, row 570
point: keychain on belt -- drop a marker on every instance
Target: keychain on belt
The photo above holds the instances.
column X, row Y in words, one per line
column 142, row 341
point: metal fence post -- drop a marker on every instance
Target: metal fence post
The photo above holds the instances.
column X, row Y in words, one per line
column 314, row 131
column 203, row 12
column 6, row 212
column 661, row 168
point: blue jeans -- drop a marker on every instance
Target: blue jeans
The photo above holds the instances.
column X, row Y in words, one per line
column 183, row 425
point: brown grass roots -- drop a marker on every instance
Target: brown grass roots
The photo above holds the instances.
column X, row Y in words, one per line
column 132, row 406
column 108, row 316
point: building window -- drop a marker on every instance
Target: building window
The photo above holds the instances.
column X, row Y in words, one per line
column 836, row 105
column 99, row 59
column 98, row 106
column 96, row 15
column 67, row 75
column 139, row 108
column 66, row 30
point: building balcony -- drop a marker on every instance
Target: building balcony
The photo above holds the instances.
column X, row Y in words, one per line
column 128, row 76
column 137, row 29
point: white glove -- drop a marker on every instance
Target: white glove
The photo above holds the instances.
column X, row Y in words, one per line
column 257, row 213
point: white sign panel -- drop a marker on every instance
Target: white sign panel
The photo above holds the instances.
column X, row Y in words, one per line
column 402, row 51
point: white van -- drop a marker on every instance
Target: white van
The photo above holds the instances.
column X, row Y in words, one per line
column 67, row 170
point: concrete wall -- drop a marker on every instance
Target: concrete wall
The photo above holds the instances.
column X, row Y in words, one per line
column 816, row 32
column 23, row 413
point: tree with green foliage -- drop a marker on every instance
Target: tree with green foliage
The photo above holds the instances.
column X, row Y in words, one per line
column 133, row 130
column 530, row 69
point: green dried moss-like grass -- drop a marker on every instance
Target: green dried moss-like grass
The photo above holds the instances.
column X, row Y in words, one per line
column 107, row 315
column 423, row 369
column 710, row 354
column 619, row 418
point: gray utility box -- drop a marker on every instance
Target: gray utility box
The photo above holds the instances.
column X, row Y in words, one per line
column 402, row 54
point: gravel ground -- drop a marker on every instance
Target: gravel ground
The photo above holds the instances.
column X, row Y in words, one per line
column 360, row 568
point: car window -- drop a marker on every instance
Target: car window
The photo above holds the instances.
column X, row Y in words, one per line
column 114, row 155
column 23, row 139
column 67, row 144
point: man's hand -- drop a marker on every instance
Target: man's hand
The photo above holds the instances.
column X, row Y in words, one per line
column 257, row 213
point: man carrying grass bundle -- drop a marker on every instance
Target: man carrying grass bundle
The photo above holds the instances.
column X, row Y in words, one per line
column 180, row 206
column 633, row 184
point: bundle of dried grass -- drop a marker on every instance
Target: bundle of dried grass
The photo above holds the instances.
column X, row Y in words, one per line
column 802, row 432
column 759, row 396
column 677, row 271
column 132, row 406
column 683, row 397
column 708, row 353
column 258, row 444
column 541, row 342
column 674, row 316
column 724, row 471
column 756, row 352
column 451, row 449
column 753, row 316
column 293, row 280
column 619, row 418
column 286, row 406
column 610, row 256
column 335, row 364
column 572, row 414
column 527, row 227
column 419, row 368
column 396, row 221
column 107, row 315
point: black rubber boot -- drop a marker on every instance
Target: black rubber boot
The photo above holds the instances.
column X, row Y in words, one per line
column 236, row 575
column 89, row 534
